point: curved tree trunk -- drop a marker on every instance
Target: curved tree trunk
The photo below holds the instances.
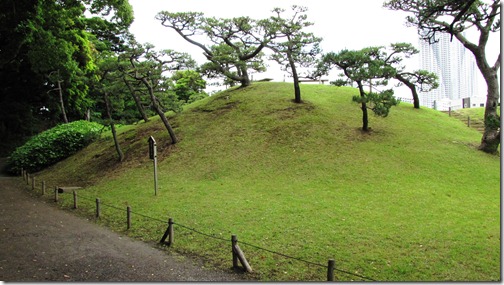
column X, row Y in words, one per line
column 62, row 103
column 412, row 87
column 491, row 137
column 297, row 89
column 244, row 77
column 137, row 101
column 365, row 117
column 112, row 127
column 160, row 112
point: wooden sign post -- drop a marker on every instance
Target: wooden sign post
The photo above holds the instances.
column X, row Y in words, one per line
column 153, row 156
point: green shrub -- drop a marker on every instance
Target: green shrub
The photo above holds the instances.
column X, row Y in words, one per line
column 52, row 146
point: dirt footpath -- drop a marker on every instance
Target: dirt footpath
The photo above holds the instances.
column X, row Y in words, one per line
column 38, row 242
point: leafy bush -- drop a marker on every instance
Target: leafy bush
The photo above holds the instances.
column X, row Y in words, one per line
column 52, row 146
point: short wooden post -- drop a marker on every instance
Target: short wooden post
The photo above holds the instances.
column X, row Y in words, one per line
column 22, row 172
column 128, row 217
column 43, row 187
column 449, row 111
column 75, row 199
column 330, row 270
column 153, row 156
column 33, row 182
column 468, row 121
column 239, row 255
column 168, row 234
column 56, row 194
column 170, row 231
column 27, row 178
column 234, row 241
column 97, row 207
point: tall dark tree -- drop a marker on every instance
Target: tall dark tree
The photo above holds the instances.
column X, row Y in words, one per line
column 292, row 45
column 43, row 44
column 455, row 17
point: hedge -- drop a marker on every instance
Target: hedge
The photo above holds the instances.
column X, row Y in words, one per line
column 52, row 146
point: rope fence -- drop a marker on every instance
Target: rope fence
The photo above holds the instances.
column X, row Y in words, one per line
column 169, row 233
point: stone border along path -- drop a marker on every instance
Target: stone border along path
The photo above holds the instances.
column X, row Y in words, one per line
column 39, row 242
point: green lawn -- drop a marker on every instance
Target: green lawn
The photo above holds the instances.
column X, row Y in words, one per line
column 412, row 201
column 477, row 113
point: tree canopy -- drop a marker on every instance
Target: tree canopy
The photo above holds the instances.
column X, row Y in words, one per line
column 423, row 79
column 362, row 67
column 233, row 47
column 47, row 57
column 292, row 46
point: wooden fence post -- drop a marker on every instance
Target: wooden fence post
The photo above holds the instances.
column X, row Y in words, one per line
column 468, row 121
column 170, row 231
column 449, row 111
column 168, row 234
column 234, row 241
column 43, row 187
column 128, row 217
column 75, row 199
column 27, row 178
column 33, row 182
column 22, row 172
column 239, row 255
column 97, row 207
column 330, row 270
column 56, row 194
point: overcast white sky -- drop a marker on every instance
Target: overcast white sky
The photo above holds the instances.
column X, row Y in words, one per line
column 351, row 24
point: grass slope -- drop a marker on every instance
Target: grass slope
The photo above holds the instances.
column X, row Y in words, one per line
column 412, row 201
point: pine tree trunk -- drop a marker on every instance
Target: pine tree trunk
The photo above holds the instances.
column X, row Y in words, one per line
column 160, row 112
column 491, row 137
column 365, row 117
column 62, row 103
column 245, row 80
column 365, row 120
column 412, row 87
column 297, row 89
column 137, row 101
column 112, row 127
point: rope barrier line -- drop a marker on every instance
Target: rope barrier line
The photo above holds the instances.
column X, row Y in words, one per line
column 242, row 242
column 148, row 217
column 113, row 207
column 278, row 253
column 85, row 198
column 354, row 274
column 121, row 209
column 284, row 255
column 201, row 233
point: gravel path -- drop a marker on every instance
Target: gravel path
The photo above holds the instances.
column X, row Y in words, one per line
column 38, row 242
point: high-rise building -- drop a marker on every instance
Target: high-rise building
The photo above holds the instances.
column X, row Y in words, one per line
column 457, row 72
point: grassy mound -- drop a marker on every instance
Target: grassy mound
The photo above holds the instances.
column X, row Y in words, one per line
column 414, row 200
